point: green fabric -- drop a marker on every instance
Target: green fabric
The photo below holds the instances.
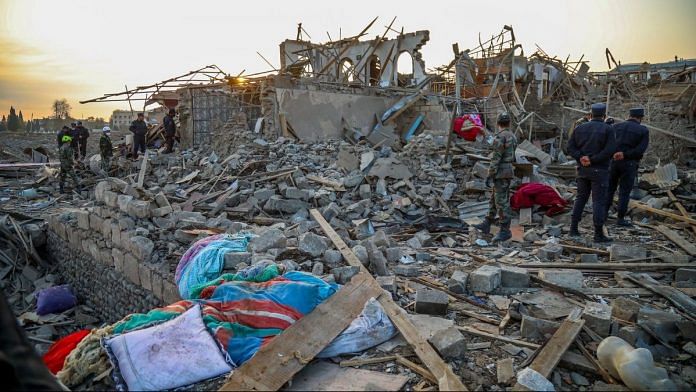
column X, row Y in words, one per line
column 268, row 273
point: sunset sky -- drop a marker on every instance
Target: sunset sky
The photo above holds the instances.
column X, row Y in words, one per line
column 81, row 49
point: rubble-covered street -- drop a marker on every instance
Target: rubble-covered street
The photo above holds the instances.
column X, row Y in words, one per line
column 314, row 230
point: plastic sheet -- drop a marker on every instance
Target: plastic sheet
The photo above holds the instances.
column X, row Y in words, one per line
column 634, row 366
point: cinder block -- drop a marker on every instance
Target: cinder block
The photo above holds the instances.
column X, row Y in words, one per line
column 625, row 309
column 562, row 277
column 485, row 279
column 145, row 276
column 131, row 268
column 550, row 252
column 408, row 270
column 449, row 343
column 431, row 302
column 457, row 282
column 387, row 283
column 511, row 276
column 82, row 219
column 537, row 329
column 620, row 252
column 685, row 275
column 597, row 317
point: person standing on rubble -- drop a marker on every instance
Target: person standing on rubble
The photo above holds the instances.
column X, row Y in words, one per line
column 592, row 145
column 106, row 149
column 169, row 130
column 66, row 164
column 631, row 143
column 500, row 173
column 139, row 129
column 82, row 135
column 74, row 134
column 59, row 137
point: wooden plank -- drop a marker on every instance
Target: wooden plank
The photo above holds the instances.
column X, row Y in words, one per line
column 446, row 378
column 553, row 350
column 416, row 368
column 143, row 168
column 569, row 359
column 680, row 207
column 275, row 363
column 682, row 301
column 643, row 207
column 673, row 236
column 367, row 361
column 325, row 376
column 609, row 266
column 336, row 185
column 583, row 249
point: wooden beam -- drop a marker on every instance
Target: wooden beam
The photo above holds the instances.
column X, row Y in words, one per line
column 608, row 266
column 416, row 368
column 680, row 207
column 278, row 361
column 643, row 207
column 553, row 350
column 673, row 236
column 446, row 378
column 682, row 301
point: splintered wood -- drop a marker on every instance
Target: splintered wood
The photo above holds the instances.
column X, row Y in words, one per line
column 444, row 375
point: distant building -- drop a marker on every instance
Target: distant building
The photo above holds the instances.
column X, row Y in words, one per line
column 660, row 71
column 121, row 119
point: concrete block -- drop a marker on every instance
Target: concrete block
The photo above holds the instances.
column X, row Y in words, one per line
column 511, row 276
column 145, row 277
column 634, row 335
column 318, row 268
column 597, row 317
column 457, row 282
column 286, row 206
column 550, row 252
column 394, row 254
column 232, row 259
column 82, row 219
column 111, row 199
column 162, row 211
column 123, row 201
column 625, row 309
column 685, row 275
column 333, row 258
column 423, row 256
column 387, row 283
column 161, row 200
column 431, row 302
column 365, row 192
column 269, row 239
column 378, row 263
column 409, row 270
column 362, row 255
column 116, row 235
column 331, row 211
column 263, row 194
column 344, row 274
column 170, row 292
column 131, row 268
column 95, row 223
column 312, row 244
column 485, row 279
column 139, row 209
column 504, row 370
column 562, row 277
column 141, row 247
column 105, row 229
column 664, row 324
column 449, row 343
column 589, row 258
column 295, row 193
column 157, row 285
column 99, row 190
column 380, row 239
column 537, row 329
column 619, row 252
column 106, row 257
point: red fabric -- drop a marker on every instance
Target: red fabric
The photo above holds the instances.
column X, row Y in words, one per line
column 531, row 194
column 468, row 132
column 56, row 354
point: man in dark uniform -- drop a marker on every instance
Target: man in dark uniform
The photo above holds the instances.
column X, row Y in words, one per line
column 592, row 145
column 500, row 174
column 74, row 134
column 631, row 142
column 139, row 129
column 169, row 130
column 82, row 135
column 59, row 137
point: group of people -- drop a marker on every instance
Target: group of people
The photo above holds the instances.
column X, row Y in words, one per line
column 608, row 156
column 72, row 145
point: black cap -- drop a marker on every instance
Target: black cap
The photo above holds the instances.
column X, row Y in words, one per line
column 503, row 117
column 599, row 109
column 636, row 112
column 79, row 123
column 172, row 111
column 73, row 124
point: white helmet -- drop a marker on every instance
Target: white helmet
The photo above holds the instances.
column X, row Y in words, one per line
column 106, row 129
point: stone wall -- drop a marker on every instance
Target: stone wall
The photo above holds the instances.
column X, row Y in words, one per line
column 107, row 251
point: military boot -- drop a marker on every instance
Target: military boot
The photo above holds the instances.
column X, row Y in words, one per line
column 574, row 230
column 485, row 226
column 599, row 235
column 504, row 234
column 621, row 221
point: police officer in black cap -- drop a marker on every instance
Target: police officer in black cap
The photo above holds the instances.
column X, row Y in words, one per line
column 592, row 145
column 631, row 142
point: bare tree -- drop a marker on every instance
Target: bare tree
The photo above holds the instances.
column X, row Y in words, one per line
column 61, row 109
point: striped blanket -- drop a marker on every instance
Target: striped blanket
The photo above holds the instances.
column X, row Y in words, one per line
column 244, row 311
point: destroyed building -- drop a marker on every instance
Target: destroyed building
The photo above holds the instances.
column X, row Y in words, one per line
column 315, row 228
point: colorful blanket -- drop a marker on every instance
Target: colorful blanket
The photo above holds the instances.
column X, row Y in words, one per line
column 205, row 259
column 244, row 311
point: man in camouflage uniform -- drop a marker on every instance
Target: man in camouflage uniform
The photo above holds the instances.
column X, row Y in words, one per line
column 106, row 150
column 500, row 173
column 66, row 155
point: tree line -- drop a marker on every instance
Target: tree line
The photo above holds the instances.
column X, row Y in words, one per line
column 15, row 122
